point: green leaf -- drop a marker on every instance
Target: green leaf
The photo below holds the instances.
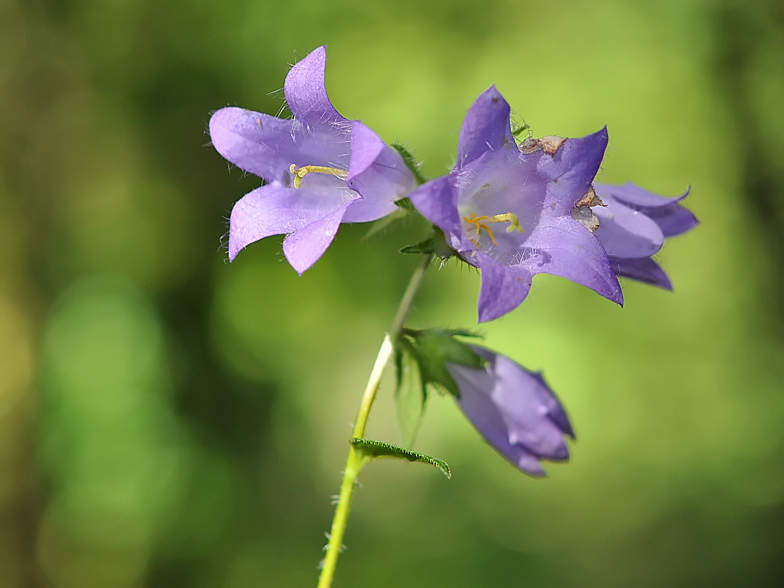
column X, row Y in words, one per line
column 371, row 449
column 411, row 163
column 425, row 247
column 410, row 394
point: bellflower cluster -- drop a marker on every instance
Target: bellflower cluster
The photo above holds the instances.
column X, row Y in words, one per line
column 512, row 210
column 514, row 410
column 320, row 169
column 508, row 211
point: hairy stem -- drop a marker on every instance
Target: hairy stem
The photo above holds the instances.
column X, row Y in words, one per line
column 355, row 459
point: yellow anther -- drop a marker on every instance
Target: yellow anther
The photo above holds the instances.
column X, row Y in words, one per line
column 301, row 172
column 480, row 222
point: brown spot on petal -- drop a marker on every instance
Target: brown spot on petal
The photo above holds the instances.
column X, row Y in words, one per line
column 590, row 198
column 551, row 144
column 585, row 216
column 529, row 145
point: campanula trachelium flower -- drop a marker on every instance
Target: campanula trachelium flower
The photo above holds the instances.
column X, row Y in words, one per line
column 508, row 210
column 320, row 169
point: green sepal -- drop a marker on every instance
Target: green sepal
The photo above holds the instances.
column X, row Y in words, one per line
column 410, row 394
column 411, row 163
column 371, row 450
column 434, row 348
column 405, row 204
column 425, row 247
column 440, row 247
column 444, row 332
column 435, row 244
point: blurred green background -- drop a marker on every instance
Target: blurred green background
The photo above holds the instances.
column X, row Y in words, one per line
column 168, row 419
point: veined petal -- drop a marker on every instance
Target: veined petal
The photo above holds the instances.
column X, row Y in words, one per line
column 563, row 247
column 625, row 232
column 304, row 247
column 256, row 143
column 378, row 173
column 672, row 218
column 306, row 93
column 503, row 288
column 643, row 270
column 486, row 128
column 276, row 209
column 571, row 170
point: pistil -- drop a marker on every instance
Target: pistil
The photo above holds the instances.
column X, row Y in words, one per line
column 301, row 172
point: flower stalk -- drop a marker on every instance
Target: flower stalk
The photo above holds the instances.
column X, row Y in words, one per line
column 356, row 459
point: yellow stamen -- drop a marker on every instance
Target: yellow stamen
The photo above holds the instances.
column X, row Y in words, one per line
column 477, row 222
column 301, row 172
column 480, row 222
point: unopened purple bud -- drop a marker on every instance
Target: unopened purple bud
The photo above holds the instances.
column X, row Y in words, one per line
column 514, row 410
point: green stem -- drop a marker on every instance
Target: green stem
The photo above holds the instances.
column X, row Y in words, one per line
column 356, row 460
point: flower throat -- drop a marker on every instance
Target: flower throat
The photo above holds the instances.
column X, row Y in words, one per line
column 481, row 222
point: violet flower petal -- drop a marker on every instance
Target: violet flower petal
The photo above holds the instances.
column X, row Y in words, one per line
column 555, row 411
column 378, row 172
column 436, row 200
column 480, row 409
column 256, row 143
column 503, row 289
column 306, row 93
column 643, row 270
column 304, row 247
column 672, row 217
column 627, row 254
column 514, row 410
column 633, row 195
column 571, row 171
column 625, row 232
column 565, row 248
column 267, row 146
column 275, row 209
column 486, row 127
